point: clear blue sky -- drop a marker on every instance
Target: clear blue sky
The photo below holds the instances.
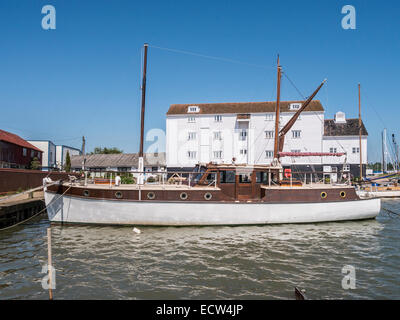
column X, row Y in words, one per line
column 84, row 77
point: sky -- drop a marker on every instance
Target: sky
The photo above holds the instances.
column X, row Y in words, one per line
column 83, row 77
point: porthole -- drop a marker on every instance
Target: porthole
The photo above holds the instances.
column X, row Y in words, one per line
column 151, row 195
column 343, row 194
column 184, row 196
column 323, row 194
column 118, row 194
column 86, row 193
column 208, row 196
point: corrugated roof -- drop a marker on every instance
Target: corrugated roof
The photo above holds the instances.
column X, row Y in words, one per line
column 118, row 160
column 14, row 139
column 349, row 128
column 241, row 107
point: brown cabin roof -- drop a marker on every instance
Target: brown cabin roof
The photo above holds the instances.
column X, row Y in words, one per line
column 240, row 107
column 350, row 128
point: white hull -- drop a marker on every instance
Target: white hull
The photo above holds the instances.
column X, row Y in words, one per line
column 378, row 194
column 80, row 210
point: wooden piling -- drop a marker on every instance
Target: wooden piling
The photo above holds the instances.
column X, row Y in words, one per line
column 49, row 263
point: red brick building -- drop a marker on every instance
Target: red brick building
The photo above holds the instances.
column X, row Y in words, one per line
column 16, row 152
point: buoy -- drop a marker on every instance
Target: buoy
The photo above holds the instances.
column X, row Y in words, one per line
column 136, row 230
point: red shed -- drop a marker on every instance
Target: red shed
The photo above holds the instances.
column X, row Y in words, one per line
column 16, row 152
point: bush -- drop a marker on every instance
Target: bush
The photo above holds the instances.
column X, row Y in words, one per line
column 151, row 179
column 128, row 179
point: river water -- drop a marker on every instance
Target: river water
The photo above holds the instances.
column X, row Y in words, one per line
column 244, row 262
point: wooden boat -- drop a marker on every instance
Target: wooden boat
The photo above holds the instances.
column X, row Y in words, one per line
column 217, row 194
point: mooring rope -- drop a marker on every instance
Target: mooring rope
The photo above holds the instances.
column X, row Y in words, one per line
column 35, row 215
column 390, row 211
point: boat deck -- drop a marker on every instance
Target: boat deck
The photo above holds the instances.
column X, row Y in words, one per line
column 308, row 186
column 143, row 187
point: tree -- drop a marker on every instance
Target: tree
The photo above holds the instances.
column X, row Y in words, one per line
column 67, row 166
column 100, row 150
column 35, row 164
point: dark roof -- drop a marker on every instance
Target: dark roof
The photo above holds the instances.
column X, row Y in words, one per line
column 14, row 139
column 120, row 160
column 241, row 107
column 350, row 128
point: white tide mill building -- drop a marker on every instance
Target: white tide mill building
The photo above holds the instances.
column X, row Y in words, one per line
column 220, row 132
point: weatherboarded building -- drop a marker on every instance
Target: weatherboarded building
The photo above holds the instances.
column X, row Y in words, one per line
column 16, row 152
column 244, row 132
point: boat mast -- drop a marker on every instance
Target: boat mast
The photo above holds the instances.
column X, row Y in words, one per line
column 141, row 161
column 278, row 97
column 359, row 127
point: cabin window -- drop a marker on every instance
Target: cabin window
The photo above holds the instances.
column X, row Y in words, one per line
column 269, row 134
column 192, row 136
column 191, row 119
column 295, row 106
column 24, row 152
column 295, row 151
column 296, row 134
column 218, row 118
column 261, row 177
column 245, row 177
column 332, row 150
column 227, row 176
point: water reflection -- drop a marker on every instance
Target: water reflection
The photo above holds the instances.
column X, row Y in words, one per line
column 261, row 262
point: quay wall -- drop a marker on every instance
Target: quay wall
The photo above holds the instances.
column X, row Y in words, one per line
column 14, row 179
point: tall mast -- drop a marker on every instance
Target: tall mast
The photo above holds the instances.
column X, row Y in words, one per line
column 278, row 98
column 359, row 127
column 141, row 161
column 143, row 100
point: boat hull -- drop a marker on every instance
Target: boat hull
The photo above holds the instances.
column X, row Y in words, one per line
column 69, row 209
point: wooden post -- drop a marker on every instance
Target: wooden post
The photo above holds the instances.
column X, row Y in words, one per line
column 49, row 263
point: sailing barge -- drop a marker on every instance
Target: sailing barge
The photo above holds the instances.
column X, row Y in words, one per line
column 214, row 194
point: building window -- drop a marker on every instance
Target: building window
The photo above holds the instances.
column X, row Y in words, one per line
column 32, row 153
column 346, row 167
column 269, row 154
column 193, row 109
column 296, row 134
column 217, row 135
column 243, row 151
column 356, row 150
column 333, row 150
column 192, row 154
column 38, row 155
column 295, row 151
column 24, row 152
column 192, row 136
column 191, row 119
column 269, row 134
column 218, row 118
column 295, row 106
column 269, row 117
column 243, row 135
column 217, row 154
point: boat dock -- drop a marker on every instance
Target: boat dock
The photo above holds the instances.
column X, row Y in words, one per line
column 17, row 209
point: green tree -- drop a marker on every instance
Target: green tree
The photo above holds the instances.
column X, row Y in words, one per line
column 100, row 150
column 67, row 166
column 35, row 164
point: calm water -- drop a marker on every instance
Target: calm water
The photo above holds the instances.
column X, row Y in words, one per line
column 256, row 262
